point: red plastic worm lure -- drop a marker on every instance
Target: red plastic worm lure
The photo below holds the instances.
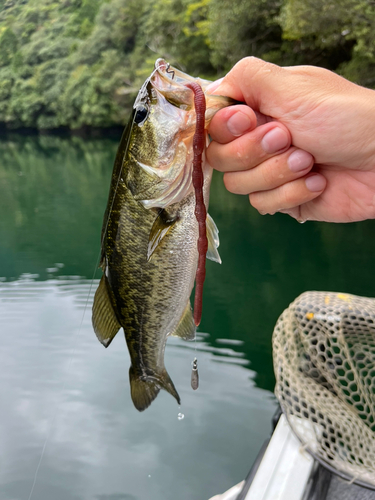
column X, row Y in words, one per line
column 200, row 207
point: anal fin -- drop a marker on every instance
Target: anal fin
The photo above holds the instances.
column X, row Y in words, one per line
column 104, row 319
column 186, row 327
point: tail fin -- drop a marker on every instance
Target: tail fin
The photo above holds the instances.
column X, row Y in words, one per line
column 144, row 389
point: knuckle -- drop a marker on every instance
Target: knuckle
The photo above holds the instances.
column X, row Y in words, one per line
column 239, row 151
column 256, row 201
column 253, row 67
column 256, row 64
column 288, row 195
column 214, row 156
column 236, row 182
column 228, row 182
column 268, row 172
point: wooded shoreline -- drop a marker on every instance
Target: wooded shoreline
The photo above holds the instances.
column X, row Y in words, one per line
column 75, row 64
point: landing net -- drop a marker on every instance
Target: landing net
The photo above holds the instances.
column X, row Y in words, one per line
column 324, row 361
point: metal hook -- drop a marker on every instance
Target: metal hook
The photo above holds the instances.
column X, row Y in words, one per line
column 195, row 364
column 170, row 72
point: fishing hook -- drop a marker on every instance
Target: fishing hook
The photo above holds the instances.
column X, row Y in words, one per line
column 170, row 71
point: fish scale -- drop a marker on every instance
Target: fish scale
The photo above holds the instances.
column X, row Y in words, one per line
column 149, row 246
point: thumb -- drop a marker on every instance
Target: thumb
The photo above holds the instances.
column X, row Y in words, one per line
column 262, row 85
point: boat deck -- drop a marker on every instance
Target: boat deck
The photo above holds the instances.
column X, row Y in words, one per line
column 285, row 471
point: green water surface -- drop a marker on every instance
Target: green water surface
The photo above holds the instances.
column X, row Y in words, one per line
column 62, row 392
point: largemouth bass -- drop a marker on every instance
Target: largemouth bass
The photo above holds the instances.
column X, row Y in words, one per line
column 149, row 236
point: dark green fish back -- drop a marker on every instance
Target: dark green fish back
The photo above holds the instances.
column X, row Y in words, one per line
column 143, row 293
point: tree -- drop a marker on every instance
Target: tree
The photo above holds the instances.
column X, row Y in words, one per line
column 8, row 46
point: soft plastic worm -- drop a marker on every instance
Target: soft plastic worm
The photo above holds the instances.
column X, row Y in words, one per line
column 200, row 208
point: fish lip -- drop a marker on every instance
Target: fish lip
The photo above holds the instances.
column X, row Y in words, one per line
column 170, row 79
column 171, row 74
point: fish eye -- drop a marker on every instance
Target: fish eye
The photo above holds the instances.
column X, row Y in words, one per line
column 141, row 114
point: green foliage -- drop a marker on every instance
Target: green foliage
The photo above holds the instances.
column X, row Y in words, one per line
column 342, row 30
column 173, row 30
column 8, row 46
column 79, row 63
column 240, row 28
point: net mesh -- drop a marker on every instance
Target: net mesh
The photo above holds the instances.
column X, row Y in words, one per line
column 324, row 361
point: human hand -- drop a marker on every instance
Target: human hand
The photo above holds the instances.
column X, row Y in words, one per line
column 303, row 145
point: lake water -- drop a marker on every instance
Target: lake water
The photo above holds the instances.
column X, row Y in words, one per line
column 66, row 412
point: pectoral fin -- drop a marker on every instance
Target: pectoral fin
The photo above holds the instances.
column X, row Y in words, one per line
column 186, row 327
column 104, row 319
column 213, row 240
column 160, row 228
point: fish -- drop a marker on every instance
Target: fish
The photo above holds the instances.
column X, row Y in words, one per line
column 149, row 253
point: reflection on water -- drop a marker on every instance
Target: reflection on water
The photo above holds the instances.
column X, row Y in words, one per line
column 99, row 445
column 52, row 197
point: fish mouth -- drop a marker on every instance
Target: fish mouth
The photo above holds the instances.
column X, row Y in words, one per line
column 176, row 76
column 171, row 83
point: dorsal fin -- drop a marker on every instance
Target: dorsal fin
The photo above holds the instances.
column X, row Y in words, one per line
column 104, row 319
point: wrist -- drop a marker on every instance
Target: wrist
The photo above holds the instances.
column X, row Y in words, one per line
column 366, row 122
